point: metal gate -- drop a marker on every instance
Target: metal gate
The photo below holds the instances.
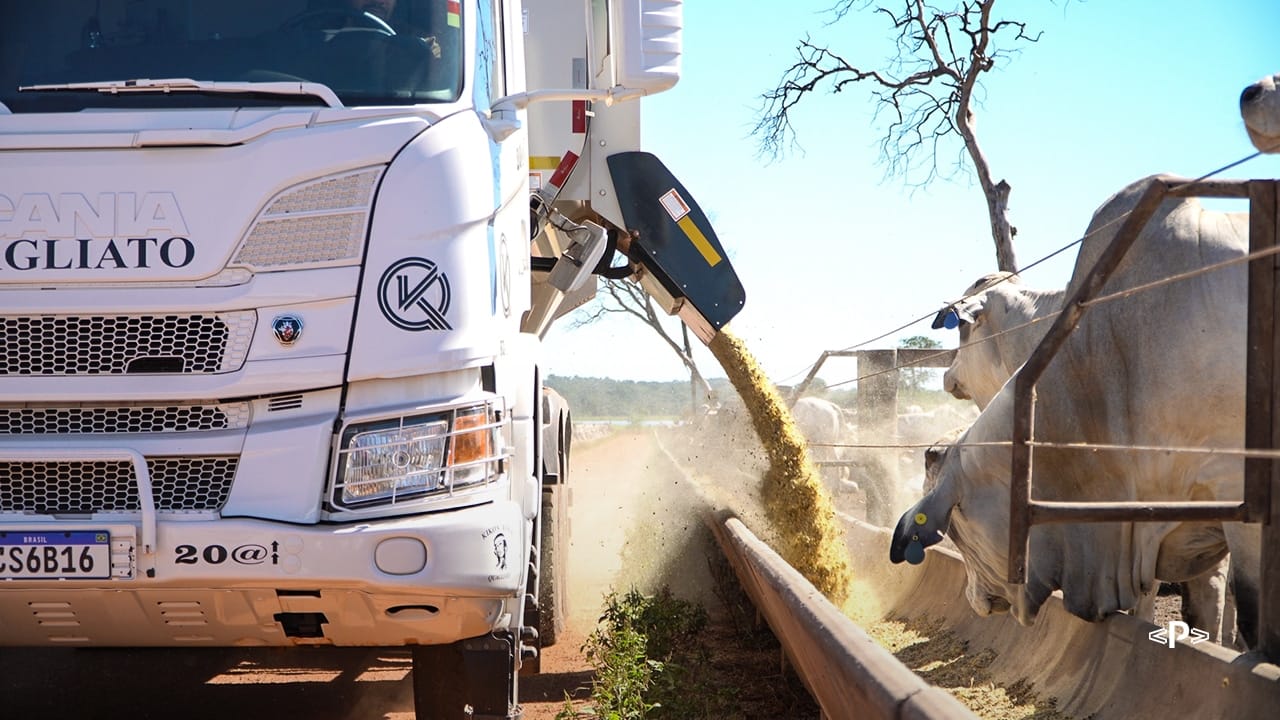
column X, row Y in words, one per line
column 1261, row 503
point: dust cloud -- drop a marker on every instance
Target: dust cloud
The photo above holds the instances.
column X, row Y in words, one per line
column 635, row 522
column 726, row 464
column 641, row 496
column 639, row 499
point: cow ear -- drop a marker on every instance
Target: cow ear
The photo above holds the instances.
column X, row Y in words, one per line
column 970, row 310
column 960, row 312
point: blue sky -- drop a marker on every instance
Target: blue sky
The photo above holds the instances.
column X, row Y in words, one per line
column 832, row 253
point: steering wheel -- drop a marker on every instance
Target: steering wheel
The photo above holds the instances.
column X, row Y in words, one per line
column 341, row 19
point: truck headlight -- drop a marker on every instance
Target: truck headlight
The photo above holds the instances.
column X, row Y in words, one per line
column 412, row 457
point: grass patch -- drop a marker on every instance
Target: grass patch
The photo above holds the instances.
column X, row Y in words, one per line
column 658, row 657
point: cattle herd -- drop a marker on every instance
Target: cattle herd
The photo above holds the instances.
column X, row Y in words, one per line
column 1163, row 367
column 1159, row 368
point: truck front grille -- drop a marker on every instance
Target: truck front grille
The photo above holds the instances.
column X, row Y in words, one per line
column 202, row 343
column 178, row 483
column 122, row 419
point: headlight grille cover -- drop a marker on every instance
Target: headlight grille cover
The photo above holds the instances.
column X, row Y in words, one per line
column 315, row 223
column 415, row 458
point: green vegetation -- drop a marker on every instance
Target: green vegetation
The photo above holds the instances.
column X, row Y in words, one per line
column 606, row 399
column 914, row 379
column 650, row 662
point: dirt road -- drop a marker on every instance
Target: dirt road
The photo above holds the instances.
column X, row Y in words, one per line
column 632, row 524
column 628, row 527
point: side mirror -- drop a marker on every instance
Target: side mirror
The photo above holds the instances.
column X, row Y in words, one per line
column 647, row 43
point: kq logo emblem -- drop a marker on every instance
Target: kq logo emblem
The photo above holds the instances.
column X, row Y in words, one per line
column 287, row 329
column 414, row 295
column 1176, row 631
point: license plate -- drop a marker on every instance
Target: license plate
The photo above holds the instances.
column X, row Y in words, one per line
column 43, row 555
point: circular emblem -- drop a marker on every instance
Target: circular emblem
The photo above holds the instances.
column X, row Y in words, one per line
column 287, row 328
column 504, row 276
column 414, row 295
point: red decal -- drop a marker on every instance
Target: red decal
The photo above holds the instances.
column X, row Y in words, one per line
column 563, row 169
column 579, row 116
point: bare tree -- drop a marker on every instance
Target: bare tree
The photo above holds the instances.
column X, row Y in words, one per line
column 928, row 92
column 628, row 298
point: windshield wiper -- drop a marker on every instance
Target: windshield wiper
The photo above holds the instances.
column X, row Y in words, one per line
column 167, row 85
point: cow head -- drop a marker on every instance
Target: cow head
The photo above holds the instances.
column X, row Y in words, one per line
column 936, row 454
column 1260, row 109
column 977, row 372
column 969, row 502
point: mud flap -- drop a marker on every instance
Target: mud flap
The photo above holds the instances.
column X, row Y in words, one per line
column 471, row 679
column 675, row 243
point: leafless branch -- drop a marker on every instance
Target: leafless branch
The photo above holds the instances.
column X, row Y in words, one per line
column 925, row 98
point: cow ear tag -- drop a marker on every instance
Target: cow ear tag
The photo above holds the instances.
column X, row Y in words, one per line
column 915, row 550
column 951, row 320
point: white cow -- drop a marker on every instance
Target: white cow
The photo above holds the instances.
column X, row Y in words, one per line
column 998, row 330
column 1164, row 367
column 827, row 430
column 1001, row 322
column 822, row 424
column 1260, row 108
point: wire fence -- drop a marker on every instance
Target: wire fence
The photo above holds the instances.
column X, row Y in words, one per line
column 1106, row 227
column 1110, row 297
column 1098, row 447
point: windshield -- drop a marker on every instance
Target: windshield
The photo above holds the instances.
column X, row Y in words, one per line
column 369, row 52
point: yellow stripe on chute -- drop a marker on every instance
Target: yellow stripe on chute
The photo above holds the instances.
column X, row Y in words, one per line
column 543, row 162
column 699, row 241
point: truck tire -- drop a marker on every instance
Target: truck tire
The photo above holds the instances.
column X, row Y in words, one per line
column 557, row 435
column 553, row 594
column 552, row 579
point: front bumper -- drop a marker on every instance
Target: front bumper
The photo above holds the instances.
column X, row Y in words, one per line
column 423, row 579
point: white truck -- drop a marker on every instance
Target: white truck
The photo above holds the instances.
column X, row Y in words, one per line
column 273, row 281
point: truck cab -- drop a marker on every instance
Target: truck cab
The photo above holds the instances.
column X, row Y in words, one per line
column 273, row 280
